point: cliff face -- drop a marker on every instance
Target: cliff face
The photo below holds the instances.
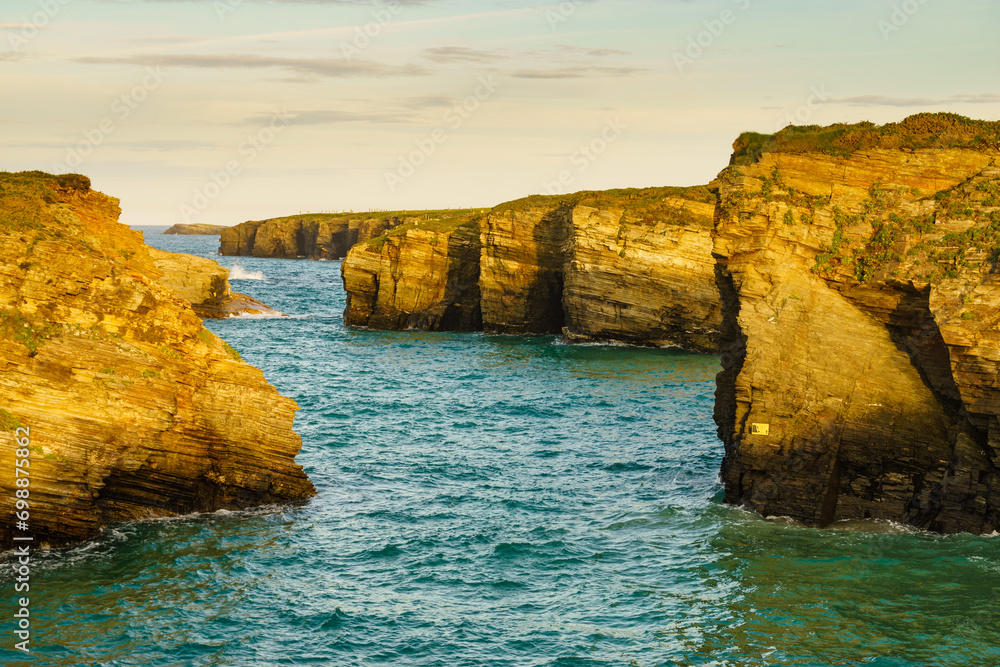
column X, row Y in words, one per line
column 628, row 265
column 522, row 261
column 640, row 270
column 135, row 410
column 206, row 285
column 858, row 267
column 424, row 277
column 315, row 237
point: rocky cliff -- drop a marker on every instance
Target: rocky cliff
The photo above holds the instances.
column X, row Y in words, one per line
column 623, row 265
column 135, row 410
column 423, row 275
column 196, row 230
column 859, row 271
column 620, row 265
column 206, row 285
column 313, row 236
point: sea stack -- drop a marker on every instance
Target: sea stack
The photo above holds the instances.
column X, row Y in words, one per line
column 858, row 269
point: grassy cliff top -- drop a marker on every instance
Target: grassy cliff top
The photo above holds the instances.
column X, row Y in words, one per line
column 439, row 222
column 925, row 130
column 631, row 199
column 439, row 215
column 25, row 198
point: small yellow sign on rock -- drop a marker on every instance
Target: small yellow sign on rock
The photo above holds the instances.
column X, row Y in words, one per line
column 760, row 429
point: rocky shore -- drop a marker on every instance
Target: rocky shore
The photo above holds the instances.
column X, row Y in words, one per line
column 135, row 410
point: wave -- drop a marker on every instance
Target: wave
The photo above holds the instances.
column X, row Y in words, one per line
column 239, row 273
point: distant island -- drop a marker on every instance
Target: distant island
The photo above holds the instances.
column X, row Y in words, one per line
column 196, row 230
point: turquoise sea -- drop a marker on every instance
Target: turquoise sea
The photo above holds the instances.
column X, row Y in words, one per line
column 489, row 501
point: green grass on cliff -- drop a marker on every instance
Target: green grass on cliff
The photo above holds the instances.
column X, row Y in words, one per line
column 926, row 130
column 26, row 330
column 25, row 197
column 377, row 215
column 8, row 422
column 640, row 204
column 443, row 222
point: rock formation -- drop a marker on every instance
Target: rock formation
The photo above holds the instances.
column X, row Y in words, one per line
column 623, row 265
column 206, row 285
column 135, row 410
column 196, row 230
column 314, row 236
column 423, row 276
column 858, row 268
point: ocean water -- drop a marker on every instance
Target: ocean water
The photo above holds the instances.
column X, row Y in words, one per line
column 497, row 501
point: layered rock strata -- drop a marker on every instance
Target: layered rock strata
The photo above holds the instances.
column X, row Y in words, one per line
column 425, row 277
column 135, row 410
column 314, row 237
column 858, row 268
column 628, row 265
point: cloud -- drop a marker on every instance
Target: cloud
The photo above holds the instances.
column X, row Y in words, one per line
column 328, row 67
column 461, row 54
column 886, row 101
column 563, row 61
column 403, row 111
column 577, row 72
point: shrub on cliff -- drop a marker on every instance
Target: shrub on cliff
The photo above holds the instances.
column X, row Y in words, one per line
column 74, row 182
column 925, row 130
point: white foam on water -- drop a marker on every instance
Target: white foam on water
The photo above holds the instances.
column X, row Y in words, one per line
column 256, row 316
column 239, row 273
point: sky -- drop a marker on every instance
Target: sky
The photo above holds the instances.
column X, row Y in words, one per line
column 221, row 111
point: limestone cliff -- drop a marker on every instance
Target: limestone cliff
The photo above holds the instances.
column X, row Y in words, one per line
column 623, row 265
column 423, row 275
column 206, row 285
column 620, row 265
column 858, row 267
column 196, row 230
column 313, row 236
column 135, row 410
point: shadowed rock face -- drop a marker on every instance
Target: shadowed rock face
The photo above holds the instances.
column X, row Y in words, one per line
column 419, row 279
column 629, row 265
column 135, row 410
column 861, row 304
